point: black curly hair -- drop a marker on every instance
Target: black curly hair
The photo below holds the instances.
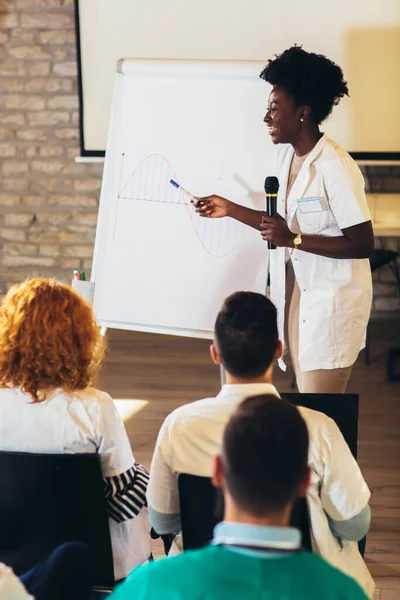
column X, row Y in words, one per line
column 311, row 79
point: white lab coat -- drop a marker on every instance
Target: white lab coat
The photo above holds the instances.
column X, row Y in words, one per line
column 336, row 294
column 84, row 421
column 191, row 436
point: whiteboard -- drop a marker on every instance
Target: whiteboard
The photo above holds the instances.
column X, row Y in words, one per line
column 158, row 266
column 362, row 36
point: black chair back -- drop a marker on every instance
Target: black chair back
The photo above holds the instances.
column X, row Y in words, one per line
column 342, row 408
column 201, row 506
column 199, row 510
column 48, row 499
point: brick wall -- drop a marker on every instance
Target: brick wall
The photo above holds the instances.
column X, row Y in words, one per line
column 48, row 203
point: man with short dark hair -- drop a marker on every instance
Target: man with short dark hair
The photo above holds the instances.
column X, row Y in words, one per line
column 246, row 336
column 254, row 554
column 246, row 343
column 264, row 458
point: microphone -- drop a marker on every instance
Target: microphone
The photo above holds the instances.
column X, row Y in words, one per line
column 271, row 187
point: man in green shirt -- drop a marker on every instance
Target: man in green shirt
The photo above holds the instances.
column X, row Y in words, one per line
column 261, row 470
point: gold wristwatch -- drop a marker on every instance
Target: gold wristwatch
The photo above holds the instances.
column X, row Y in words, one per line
column 298, row 240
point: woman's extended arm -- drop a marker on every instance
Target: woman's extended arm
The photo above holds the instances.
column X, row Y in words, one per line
column 356, row 241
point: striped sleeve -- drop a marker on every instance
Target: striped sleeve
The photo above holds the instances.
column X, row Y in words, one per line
column 126, row 493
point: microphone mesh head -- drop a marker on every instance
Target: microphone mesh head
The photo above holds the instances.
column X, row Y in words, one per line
column 271, row 185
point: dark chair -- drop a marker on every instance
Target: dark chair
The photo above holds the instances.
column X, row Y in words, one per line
column 47, row 499
column 199, row 511
column 380, row 258
column 201, row 506
column 342, row 408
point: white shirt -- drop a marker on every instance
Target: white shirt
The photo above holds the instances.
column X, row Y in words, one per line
column 192, row 434
column 84, row 421
column 336, row 294
column 10, row 586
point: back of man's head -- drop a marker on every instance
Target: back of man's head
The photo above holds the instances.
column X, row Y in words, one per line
column 246, row 334
column 264, row 455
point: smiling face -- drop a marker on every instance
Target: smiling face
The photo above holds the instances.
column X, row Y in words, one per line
column 283, row 117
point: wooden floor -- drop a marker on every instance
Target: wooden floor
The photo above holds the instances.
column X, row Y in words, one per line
column 152, row 374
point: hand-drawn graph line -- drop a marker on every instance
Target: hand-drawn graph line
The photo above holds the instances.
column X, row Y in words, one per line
column 150, row 182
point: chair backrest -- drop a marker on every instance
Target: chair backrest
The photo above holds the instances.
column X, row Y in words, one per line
column 381, row 257
column 342, row 408
column 201, row 509
column 48, row 499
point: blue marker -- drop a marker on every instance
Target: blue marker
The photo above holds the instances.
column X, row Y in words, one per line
column 177, row 185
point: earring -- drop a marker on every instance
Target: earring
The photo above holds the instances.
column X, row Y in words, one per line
column 302, row 120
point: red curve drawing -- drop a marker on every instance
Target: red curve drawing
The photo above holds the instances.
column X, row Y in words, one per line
column 150, row 182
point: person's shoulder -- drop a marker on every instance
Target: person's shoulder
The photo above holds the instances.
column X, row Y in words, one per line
column 322, row 430
column 91, row 394
column 94, row 400
column 334, row 150
column 98, row 405
column 335, row 158
column 184, row 415
column 316, row 420
column 325, row 576
column 169, row 577
column 12, row 394
column 11, row 391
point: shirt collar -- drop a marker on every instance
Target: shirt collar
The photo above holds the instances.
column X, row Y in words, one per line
column 243, row 390
column 311, row 156
column 316, row 150
column 241, row 534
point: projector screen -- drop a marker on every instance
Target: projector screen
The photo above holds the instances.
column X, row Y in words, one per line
column 362, row 36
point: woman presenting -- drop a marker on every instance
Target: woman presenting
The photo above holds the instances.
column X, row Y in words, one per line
column 322, row 285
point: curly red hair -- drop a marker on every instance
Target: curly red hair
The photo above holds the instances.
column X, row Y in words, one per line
column 48, row 338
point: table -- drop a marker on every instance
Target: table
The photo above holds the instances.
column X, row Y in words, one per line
column 385, row 214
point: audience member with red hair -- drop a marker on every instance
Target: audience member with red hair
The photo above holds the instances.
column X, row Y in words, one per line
column 50, row 352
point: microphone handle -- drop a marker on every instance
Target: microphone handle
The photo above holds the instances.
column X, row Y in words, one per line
column 271, row 212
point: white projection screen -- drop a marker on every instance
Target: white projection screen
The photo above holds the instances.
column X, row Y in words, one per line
column 362, row 36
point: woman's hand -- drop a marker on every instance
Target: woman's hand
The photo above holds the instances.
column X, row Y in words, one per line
column 213, row 206
column 275, row 230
